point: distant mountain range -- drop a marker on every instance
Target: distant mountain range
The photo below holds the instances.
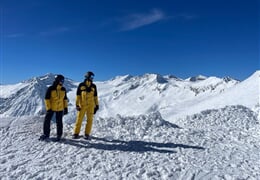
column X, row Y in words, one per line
column 127, row 95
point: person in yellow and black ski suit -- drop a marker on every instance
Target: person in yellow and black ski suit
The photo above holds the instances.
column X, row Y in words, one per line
column 56, row 101
column 86, row 103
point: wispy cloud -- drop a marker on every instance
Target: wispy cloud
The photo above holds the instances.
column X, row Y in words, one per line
column 137, row 20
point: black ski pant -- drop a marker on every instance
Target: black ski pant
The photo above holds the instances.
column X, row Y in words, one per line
column 47, row 123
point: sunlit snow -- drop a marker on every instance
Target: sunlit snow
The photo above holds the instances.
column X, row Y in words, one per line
column 148, row 127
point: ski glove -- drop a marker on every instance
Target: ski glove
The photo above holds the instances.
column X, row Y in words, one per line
column 49, row 111
column 78, row 108
column 65, row 111
column 96, row 109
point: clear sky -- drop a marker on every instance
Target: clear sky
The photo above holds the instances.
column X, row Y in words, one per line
column 117, row 37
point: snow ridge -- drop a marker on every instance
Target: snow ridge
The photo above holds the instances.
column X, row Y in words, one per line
column 134, row 127
column 240, row 118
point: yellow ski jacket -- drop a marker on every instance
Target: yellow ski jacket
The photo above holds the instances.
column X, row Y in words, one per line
column 87, row 95
column 56, row 98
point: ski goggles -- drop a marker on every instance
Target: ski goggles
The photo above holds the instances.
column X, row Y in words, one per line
column 91, row 77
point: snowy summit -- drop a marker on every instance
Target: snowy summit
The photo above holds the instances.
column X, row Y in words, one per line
column 148, row 127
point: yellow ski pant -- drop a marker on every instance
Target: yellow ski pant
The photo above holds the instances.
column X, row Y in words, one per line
column 80, row 115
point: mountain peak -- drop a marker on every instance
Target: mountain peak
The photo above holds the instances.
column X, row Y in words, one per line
column 197, row 78
column 227, row 79
column 122, row 78
column 49, row 77
column 155, row 77
column 27, row 97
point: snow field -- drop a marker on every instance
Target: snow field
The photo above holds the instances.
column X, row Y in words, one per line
column 214, row 144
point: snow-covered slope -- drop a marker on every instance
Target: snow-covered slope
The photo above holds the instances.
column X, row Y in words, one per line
column 127, row 95
column 214, row 144
column 137, row 95
column 27, row 97
column 246, row 93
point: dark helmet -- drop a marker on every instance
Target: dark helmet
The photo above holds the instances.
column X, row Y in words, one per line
column 89, row 75
column 59, row 78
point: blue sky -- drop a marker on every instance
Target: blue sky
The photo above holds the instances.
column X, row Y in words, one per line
column 118, row 37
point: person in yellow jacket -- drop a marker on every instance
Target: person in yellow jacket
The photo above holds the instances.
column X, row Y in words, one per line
column 86, row 104
column 56, row 101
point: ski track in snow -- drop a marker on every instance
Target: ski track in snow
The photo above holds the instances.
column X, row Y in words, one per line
column 214, row 144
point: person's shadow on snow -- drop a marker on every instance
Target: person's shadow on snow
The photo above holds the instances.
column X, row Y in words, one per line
column 128, row 146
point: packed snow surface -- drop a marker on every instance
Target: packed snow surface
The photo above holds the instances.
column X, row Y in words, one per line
column 214, row 144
